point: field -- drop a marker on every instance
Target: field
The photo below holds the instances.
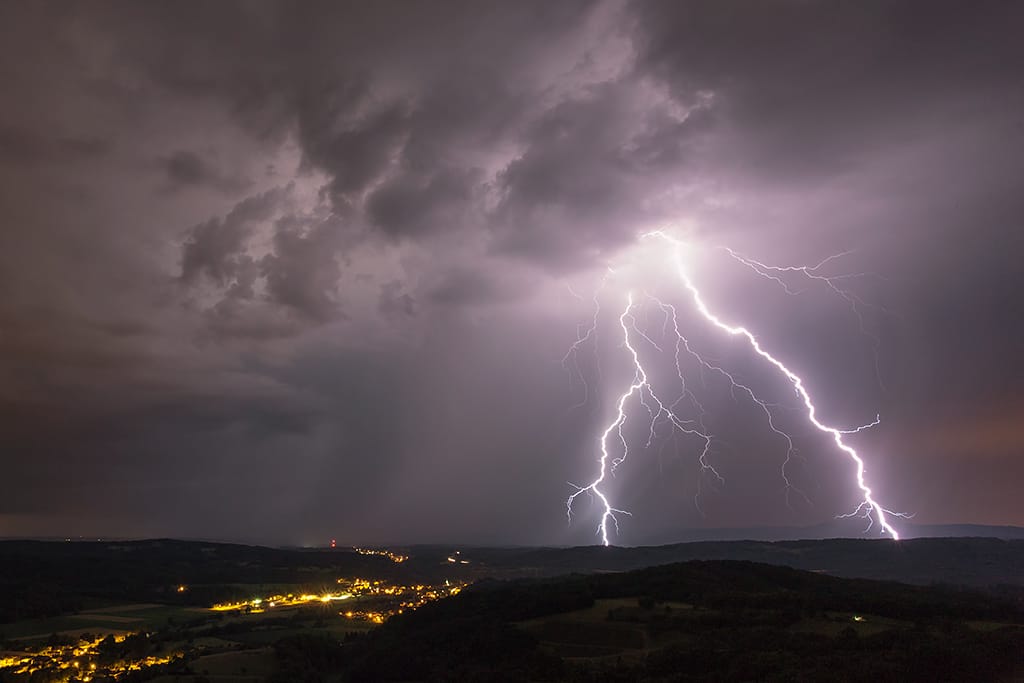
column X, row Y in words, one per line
column 624, row 627
column 612, row 626
column 112, row 620
column 241, row 666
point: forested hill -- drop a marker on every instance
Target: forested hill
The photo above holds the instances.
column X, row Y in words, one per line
column 708, row 621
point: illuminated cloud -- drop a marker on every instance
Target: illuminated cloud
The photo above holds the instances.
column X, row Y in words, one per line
column 312, row 260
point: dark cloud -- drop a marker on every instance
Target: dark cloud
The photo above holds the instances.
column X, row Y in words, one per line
column 188, row 169
column 22, row 146
column 215, row 248
column 572, row 172
column 394, row 301
column 415, row 206
column 266, row 252
column 358, row 155
column 467, row 286
column 807, row 90
column 303, row 272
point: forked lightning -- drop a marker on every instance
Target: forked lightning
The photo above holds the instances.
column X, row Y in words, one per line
column 661, row 410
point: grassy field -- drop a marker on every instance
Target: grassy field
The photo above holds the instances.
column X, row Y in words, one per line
column 621, row 627
column 256, row 663
column 335, row 628
column 834, row 623
column 990, row 626
column 114, row 620
column 588, row 633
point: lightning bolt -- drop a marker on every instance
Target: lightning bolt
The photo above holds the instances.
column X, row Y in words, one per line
column 639, row 388
column 773, row 273
column 571, row 358
column 641, row 391
column 734, row 386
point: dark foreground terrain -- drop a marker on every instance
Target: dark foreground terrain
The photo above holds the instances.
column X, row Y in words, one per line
column 702, row 621
column 191, row 612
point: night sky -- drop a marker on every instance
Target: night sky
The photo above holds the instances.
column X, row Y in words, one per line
column 293, row 272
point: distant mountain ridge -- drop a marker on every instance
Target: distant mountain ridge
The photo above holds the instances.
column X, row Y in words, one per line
column 844, row 528
column 966, row 561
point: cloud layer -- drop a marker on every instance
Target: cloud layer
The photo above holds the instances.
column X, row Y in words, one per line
column 288, row 273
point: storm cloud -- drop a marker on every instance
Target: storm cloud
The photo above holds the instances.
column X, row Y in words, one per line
column 291, row 272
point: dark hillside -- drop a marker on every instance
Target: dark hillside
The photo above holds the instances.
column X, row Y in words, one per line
column 697, row 621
